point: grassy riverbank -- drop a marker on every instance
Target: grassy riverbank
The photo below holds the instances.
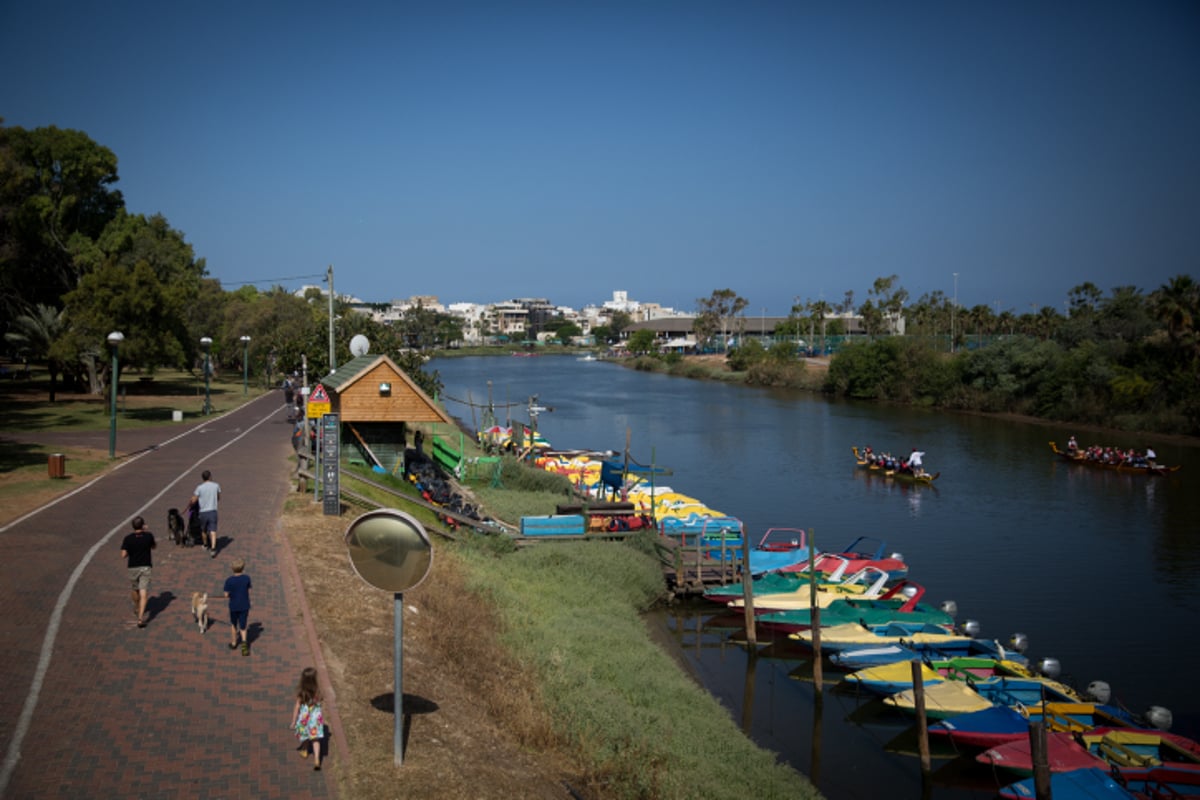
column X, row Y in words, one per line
column 570, row 670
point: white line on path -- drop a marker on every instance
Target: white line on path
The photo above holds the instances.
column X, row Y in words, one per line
column 31, row 700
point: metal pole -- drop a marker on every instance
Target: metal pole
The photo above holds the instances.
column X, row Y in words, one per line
column 332, row 356
column 112, row 430
column 953, row 311
column 206, row 343
column 398, row 682
column 245, row 365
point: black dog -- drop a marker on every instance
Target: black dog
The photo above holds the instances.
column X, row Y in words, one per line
column 177, row 527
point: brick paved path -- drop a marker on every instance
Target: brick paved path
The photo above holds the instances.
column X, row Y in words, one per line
column 163, row 711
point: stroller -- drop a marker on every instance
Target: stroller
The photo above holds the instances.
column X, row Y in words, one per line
column 195, row 534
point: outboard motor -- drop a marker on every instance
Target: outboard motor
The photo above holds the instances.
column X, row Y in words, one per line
column 1099, row 691
column 898, row 556
column 1049, row 667
column 950, row 607
column 909, row 591
column 1019, row 642
column 971, row 628
column 1159, row 717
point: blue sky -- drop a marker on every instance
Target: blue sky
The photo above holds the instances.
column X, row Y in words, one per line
column 482, row 151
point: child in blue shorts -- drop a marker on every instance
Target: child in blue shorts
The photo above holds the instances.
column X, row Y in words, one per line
column 237, row 589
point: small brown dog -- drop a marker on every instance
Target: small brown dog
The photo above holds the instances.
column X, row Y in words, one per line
column 200, row 610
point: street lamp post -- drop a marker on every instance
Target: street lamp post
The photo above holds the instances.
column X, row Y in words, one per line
column 206, row 344
column 115, row 338
column 245, row 365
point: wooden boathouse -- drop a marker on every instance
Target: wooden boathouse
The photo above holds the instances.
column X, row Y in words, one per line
column 376, row 403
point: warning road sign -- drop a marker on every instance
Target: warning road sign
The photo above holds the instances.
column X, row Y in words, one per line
column 318, row 403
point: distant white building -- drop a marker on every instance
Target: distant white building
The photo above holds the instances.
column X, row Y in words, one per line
column 472, row 317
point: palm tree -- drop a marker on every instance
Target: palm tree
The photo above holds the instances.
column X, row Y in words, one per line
column 1177, row 304
column 35, row 333
column 820, row 310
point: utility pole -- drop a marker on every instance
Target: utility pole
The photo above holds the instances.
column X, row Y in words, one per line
column 953, row 311
column 333, row 358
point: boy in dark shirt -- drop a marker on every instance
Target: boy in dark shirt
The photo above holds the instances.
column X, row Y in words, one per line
column 237, row 589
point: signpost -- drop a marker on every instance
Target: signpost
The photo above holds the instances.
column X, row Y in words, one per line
column 391, row 551
column 330, row 452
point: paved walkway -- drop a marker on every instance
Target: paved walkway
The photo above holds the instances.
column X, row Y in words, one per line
column 92, row 705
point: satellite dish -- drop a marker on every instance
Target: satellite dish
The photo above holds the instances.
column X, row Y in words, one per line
column 359, row 345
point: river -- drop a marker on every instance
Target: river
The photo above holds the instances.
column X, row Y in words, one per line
column 1098, row 569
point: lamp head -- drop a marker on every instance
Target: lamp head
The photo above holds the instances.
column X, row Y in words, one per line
column 206, row 342
column 245, row 340
column 115, row 338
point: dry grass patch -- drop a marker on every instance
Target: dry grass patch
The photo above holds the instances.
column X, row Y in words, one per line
column 476, row 726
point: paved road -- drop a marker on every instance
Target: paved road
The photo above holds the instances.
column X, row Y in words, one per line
column 92, row 705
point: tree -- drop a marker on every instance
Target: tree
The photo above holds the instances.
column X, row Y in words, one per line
column 872, row 318
column 715, row 311
column 35, row 335
column 142, row 279
column 567, row 331
column 1177, row 305
column 889, row 301
column 1083, row 299
column 642, row 341
column 820, row 310
column 620, row 321
column 55, row 200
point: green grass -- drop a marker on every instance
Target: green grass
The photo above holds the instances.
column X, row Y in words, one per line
column 142, row 401
column 573, row 611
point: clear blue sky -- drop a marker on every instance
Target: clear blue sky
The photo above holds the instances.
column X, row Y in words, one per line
column 482, row 151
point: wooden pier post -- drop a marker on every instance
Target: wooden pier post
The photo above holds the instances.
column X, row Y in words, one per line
column 748, row 595
column 922, row 723
column 814, row 615
column 1041, row 761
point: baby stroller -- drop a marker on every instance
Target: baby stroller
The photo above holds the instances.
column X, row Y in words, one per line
column 195, row 534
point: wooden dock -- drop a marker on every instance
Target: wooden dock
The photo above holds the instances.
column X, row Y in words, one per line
column 690, row 569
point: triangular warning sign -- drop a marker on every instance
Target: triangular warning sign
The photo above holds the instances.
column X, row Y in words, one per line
column 318, row 395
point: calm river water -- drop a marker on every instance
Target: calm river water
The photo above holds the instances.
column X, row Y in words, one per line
column 1099, row 570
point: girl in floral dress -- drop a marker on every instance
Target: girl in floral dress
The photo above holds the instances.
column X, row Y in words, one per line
column 308, row 720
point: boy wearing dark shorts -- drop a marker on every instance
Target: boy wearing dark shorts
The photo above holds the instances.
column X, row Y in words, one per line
column 237, row 589
column 135, row 549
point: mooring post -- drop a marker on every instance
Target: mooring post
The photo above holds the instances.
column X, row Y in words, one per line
column 748, row 595
column 1040, row 759
column 922, row 723
column 814, row 614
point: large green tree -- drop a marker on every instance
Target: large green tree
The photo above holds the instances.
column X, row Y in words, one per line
column 140, row 278
column 56, row 198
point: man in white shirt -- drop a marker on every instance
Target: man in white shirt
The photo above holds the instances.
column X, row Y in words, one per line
column 914, row 462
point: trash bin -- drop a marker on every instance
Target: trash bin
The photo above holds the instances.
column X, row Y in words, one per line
column 58, row 465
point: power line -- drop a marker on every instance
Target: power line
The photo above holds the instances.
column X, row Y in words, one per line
column 270, row 280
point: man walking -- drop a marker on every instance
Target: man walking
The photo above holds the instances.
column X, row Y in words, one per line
column 135, row 549
column 206, row 497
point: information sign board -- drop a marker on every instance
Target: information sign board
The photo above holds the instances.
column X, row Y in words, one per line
column 330, row 452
